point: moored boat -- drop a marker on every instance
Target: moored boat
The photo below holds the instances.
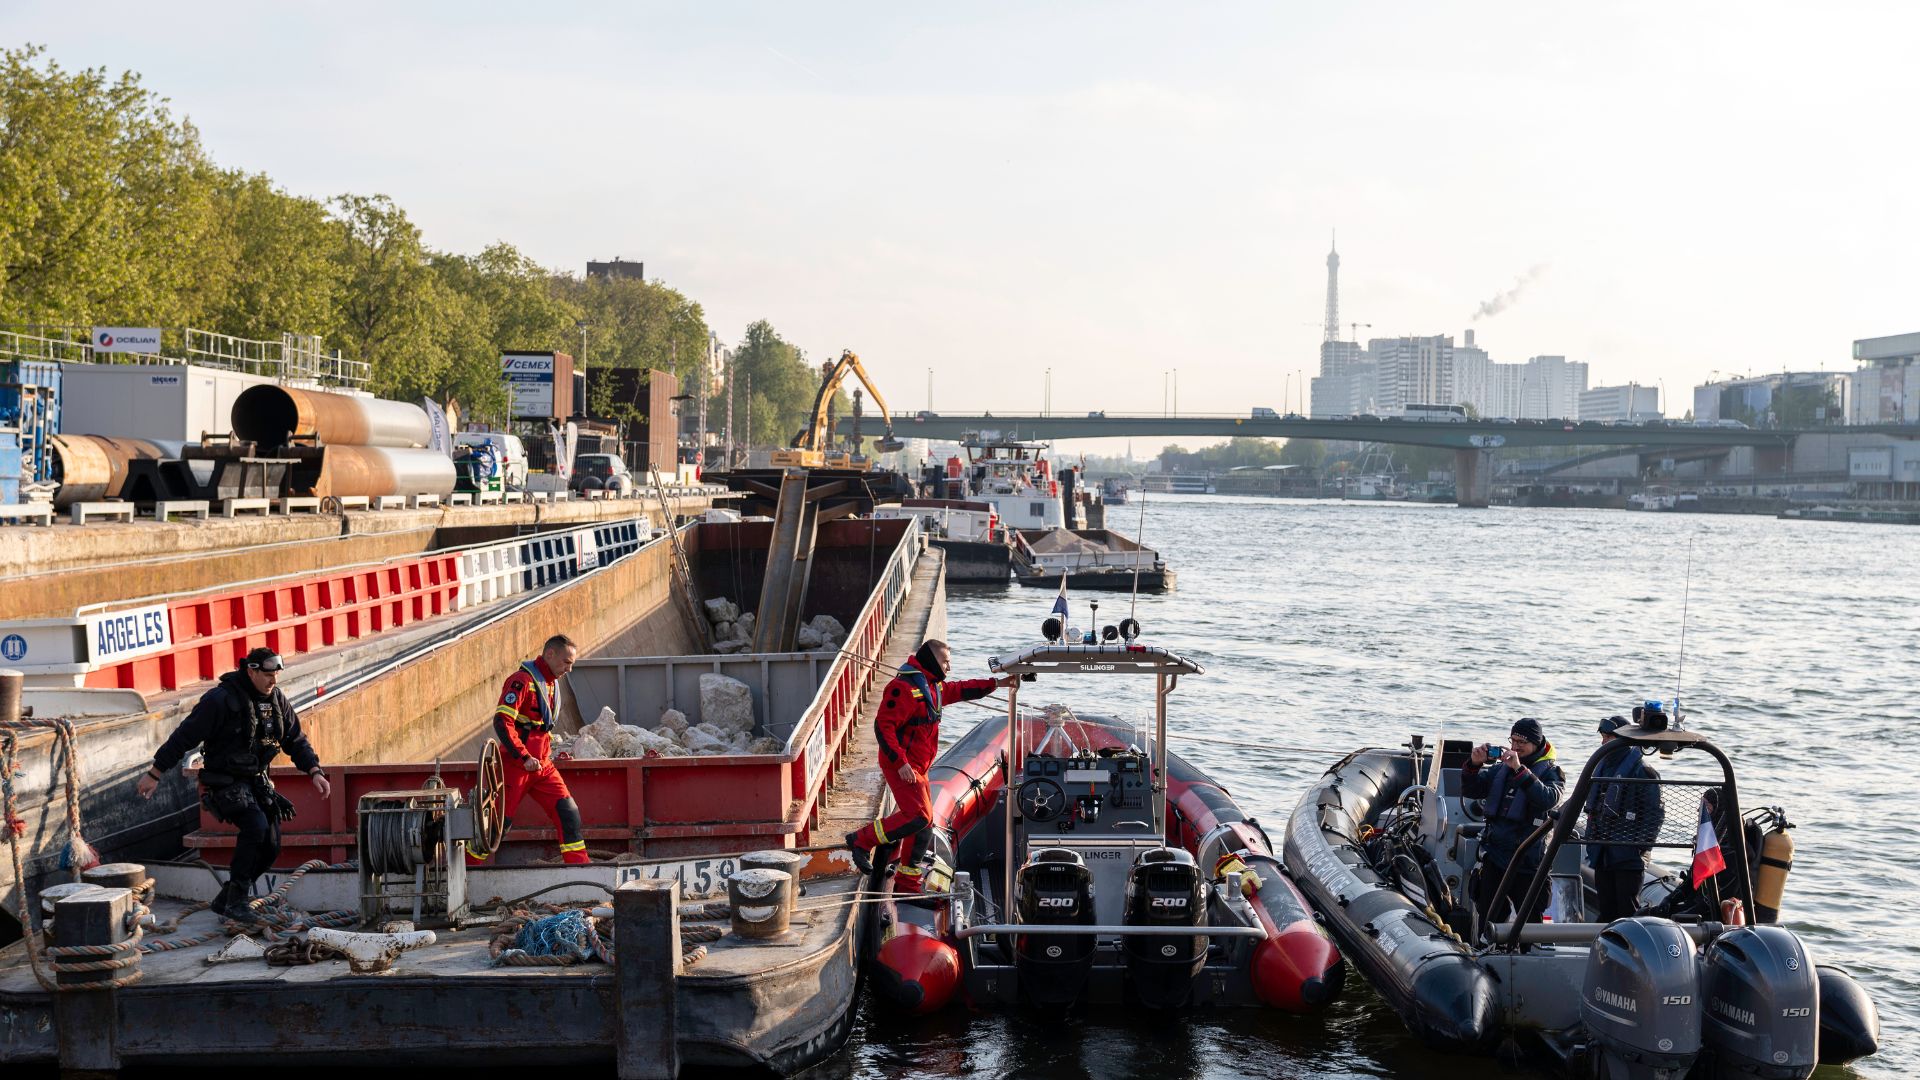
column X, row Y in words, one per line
column 1090, row 559
column 1136, row 879
column 1382, row 847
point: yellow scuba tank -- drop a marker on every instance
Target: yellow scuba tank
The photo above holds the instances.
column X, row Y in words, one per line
column 1776, row 859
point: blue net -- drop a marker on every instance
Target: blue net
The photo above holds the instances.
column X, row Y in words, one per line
column 568, row 933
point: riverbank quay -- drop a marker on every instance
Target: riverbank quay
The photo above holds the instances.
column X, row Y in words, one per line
column 51, row 572
column 663, row 1002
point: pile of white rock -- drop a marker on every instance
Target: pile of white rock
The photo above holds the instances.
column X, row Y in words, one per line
column 726, row 727
column 733, row 629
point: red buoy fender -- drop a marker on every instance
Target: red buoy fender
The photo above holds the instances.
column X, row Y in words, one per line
column 916, row 971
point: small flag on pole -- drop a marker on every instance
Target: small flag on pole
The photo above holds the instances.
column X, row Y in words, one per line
column 1060, row 602
column 1707, row 859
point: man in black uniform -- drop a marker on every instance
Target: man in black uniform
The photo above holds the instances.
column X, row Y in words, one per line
column 243, row 724
column 1629, row 812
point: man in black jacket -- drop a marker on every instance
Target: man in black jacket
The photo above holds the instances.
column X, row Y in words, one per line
column 1524, row 783
column 242, row 724
column 1629, row 812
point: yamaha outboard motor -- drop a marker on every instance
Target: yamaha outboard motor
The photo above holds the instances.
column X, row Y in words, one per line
column 1165, row 888
column 1639, row 1002
column 1055, row 888
column 1849, row 1022
column 1762, row 1010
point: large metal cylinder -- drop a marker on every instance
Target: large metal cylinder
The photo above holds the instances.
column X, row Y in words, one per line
column 377, row 470
column 89, row 468
column 273, row 416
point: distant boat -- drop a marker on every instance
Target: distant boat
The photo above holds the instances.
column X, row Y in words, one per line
column 1178, row 484
column 1090, row 558
column 1113, row 492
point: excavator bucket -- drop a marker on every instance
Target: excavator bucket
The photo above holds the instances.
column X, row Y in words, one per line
column 889, row 445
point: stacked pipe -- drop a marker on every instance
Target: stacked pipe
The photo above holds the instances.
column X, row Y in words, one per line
column 348, row 445
column 89, row 468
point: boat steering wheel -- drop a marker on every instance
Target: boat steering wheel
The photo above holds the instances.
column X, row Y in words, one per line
column 1041, row 798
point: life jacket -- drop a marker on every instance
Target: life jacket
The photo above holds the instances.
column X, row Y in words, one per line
column 250, row 734
column 1505, row 802
column 924, row 693
column 543, row 694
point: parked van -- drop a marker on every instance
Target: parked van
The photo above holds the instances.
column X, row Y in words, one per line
column 507, row 451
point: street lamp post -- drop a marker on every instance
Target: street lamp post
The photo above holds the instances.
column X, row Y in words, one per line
column 1046, row 395
column 1166, row 384
column 1176, row 391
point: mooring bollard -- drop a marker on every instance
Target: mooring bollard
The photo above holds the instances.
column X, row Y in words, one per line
column 761, row 902
column 94, row 951
column 646, row 960
column 788, row 862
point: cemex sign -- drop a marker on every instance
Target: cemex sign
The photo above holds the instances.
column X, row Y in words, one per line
column 539, row 383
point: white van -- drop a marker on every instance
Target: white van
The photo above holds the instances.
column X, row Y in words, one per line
column 507, row 450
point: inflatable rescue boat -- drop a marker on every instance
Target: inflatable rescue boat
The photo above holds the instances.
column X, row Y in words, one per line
column 1384, row 846
column 1103, row 870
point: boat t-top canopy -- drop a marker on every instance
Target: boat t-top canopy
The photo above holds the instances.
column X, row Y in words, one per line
column 1126, row 657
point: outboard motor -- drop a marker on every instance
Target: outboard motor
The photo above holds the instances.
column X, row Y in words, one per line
column 1849, row 1022
column 1762, row 1014
column 1640, row 1000
column 1165, row 888
column 1055, row 888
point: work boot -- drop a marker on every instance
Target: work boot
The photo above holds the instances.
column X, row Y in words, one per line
column 860, row 860
column 232, row 904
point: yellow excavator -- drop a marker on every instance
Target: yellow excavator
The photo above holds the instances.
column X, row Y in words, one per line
column 813, row 445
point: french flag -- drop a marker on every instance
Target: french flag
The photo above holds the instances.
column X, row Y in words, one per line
column 1707, row 860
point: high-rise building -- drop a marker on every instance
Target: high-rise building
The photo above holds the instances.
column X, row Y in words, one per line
column 1632, row 403
column 1412, row 371
column 1886, row 389
column 617, row 270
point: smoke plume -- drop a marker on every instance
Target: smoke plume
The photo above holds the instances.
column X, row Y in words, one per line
column 1490, row 308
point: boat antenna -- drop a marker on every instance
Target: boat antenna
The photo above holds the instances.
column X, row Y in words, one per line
column 1140, row 536
column 1680, row 665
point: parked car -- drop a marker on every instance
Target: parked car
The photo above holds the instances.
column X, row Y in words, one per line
column 592, row 472
column 509, row 455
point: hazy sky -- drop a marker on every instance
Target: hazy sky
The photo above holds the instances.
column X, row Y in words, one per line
column 1112, row 190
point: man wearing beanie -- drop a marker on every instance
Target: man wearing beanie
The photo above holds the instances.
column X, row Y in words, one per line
column 1620, row 811
column 1523, row 784
column 908, row 729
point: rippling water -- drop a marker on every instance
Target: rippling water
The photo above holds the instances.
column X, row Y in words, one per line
column 1325, row 626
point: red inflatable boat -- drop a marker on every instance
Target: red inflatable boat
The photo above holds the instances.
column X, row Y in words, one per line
column 1136, row 880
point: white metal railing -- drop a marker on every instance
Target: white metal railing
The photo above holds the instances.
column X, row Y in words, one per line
column 294, row 357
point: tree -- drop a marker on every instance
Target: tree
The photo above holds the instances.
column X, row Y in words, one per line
column 784, row 384
column 495, row 301
column 1311, row 453
column 107, row 208
column 390, row 298
column 287, row 271
column 638, row 324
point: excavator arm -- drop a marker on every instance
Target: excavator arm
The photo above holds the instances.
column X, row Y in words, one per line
column 809, row 446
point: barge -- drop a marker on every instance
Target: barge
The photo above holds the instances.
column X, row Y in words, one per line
column 665, row 833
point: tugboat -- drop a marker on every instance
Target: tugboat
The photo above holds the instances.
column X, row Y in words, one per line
column 1104, row 871
column 1381, row 847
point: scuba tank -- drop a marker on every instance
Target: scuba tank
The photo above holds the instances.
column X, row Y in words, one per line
column 1775, row 861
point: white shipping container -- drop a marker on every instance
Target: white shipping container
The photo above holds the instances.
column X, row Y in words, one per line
column 171, row 402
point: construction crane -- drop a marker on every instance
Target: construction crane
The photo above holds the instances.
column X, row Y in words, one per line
column 812, row 445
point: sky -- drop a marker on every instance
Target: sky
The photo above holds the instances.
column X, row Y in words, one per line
column 1113, row 190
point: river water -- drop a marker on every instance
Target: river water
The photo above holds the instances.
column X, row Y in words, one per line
column 1326, row 626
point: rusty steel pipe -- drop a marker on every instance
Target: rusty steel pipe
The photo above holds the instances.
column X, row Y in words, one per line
column 89, row 468
column 377, row 470
column 274, row 416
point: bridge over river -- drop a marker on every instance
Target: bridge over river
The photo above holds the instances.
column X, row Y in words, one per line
column 1472, row 440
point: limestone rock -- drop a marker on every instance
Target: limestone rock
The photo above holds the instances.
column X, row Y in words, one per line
column 726, row 703
column 672, row 722
column 586, row 746
column 763, row 744
column 723, row 631
column 808, row 639
column 828, row 628
column 701, row 740
column 721, row 610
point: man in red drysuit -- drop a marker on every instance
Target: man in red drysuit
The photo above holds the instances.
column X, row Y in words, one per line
column 908, row 729
column 524, row 725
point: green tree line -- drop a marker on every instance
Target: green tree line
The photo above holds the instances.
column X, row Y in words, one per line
column 112, row 213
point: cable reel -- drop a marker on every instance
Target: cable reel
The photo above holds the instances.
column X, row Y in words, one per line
column 488, row 800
